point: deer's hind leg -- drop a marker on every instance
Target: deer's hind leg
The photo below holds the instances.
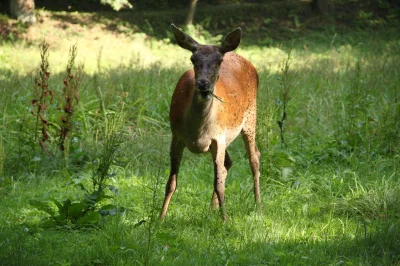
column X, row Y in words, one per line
column 249, row 138
column 228, row 165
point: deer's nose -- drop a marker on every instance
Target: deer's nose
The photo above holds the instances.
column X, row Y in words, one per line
column 203, row 84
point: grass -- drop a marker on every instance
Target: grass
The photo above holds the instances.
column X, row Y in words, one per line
column 330, row 196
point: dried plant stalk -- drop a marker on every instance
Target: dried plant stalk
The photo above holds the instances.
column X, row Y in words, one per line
column 285, row 90
column 71, row 95
column 43, row 97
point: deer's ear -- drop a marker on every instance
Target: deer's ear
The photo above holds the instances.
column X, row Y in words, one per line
column 231, row 41
column 184, row 40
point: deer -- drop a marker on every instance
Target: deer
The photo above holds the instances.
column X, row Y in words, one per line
column 211, row 104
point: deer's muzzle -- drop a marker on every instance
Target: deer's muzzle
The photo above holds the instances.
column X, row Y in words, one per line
column 203, row 84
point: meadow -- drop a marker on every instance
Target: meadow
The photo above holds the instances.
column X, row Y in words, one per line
column 330, row 186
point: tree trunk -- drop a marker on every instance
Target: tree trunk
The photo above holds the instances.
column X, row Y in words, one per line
column 322, row 6
column 189, row 19
column 23, row 10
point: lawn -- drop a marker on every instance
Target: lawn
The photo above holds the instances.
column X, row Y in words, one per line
column 330, row 178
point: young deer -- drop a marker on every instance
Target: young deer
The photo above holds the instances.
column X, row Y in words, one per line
column 213, row 103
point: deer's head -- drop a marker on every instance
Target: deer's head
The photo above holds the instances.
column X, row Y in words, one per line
column 207, row 59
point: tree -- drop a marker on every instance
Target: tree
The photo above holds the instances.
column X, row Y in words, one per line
column 322, row 6
column 192, row 10
column 23, row 10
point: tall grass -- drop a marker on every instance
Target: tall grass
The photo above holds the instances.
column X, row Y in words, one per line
column 330, row 196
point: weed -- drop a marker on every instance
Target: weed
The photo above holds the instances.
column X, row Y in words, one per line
column 43, row 96
column 2, row 155
column 285, row 86
column 266, row 117
column 87, row 210
column 113, row 138
column 153, row 219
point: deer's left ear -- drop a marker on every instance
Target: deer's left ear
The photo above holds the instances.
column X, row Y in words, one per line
column 231, row 41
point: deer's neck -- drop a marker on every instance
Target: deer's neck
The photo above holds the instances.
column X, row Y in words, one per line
column 201, row 111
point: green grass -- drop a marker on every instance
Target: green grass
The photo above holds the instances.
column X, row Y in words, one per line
column 330, row 196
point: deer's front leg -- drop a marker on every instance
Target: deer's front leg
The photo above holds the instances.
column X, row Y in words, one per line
column 220, row 172
column 176, row 156
column 228, row 165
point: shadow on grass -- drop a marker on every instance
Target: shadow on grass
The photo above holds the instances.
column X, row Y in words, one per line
column 279, row 24
column 269, row 23
column 213, row 243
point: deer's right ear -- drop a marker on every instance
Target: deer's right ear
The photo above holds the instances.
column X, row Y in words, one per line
column 184, row 40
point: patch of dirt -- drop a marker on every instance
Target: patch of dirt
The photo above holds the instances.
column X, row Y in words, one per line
column 58, row 27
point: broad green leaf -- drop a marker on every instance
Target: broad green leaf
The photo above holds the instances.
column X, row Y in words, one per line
column 75, row 211
column 102, row 195
column 91, row 218
column 58, row 204
column 63, row 209
column 42, row 206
